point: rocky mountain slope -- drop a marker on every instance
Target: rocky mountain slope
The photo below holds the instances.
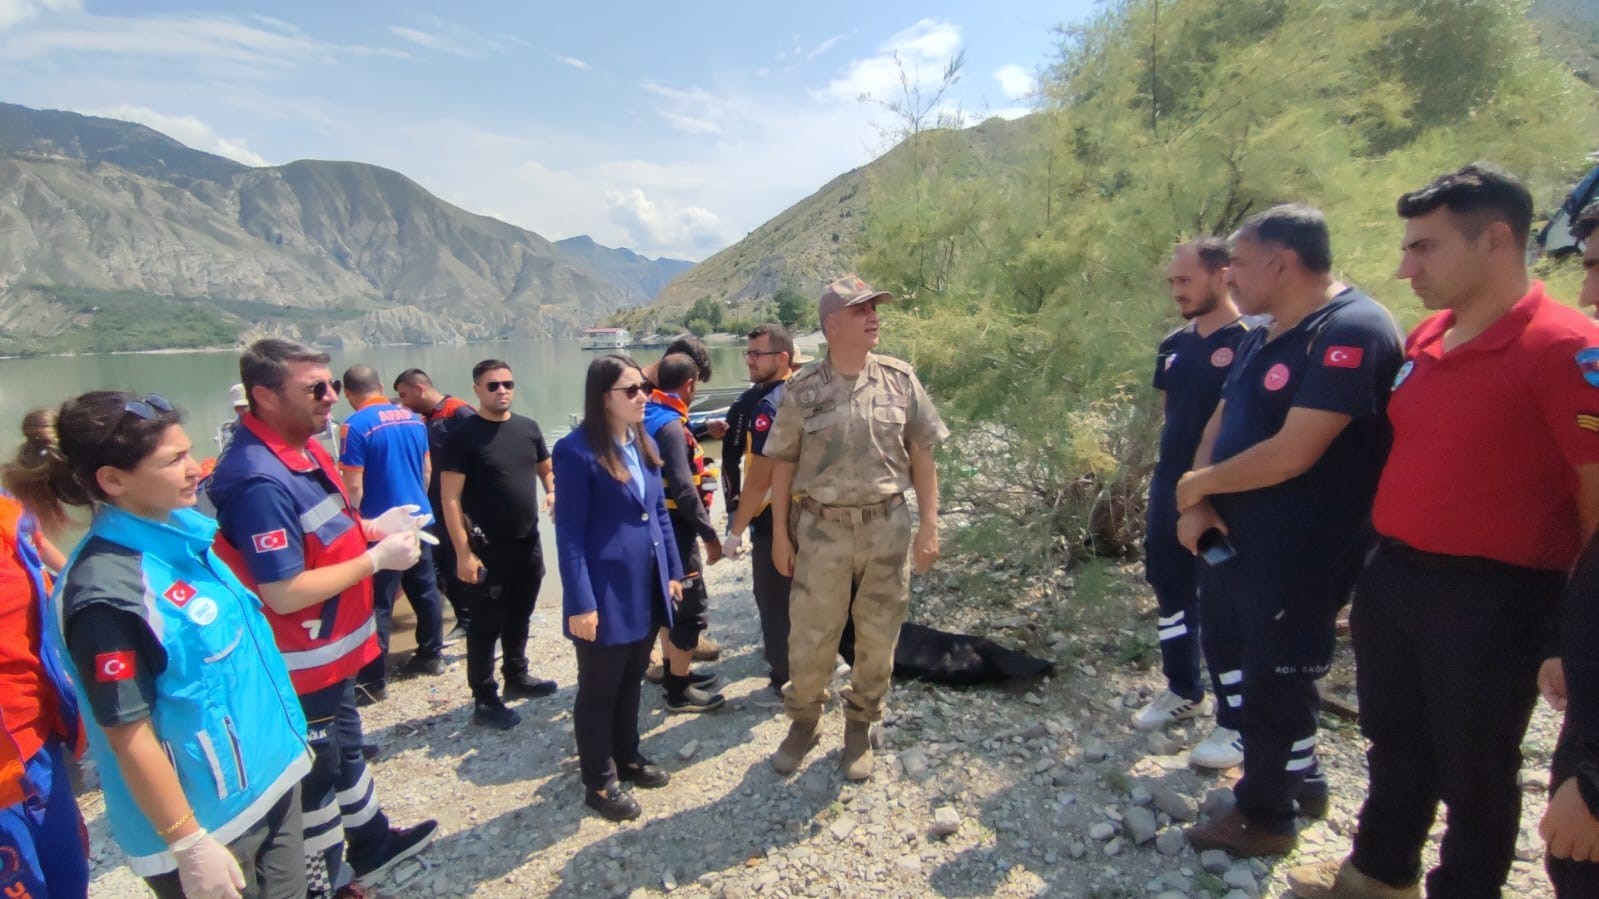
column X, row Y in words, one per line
column 99, row 215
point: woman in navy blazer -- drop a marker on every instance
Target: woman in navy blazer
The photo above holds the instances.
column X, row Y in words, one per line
column 620, row 574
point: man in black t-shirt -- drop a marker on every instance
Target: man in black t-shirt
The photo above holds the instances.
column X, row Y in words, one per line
column 442, row 413
column 491, row 468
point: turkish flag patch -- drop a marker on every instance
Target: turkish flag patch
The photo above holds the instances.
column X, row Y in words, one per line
column 271, row 541
column 763, row 422
column 1343, row 356
column 110, row 667
column 179, row 593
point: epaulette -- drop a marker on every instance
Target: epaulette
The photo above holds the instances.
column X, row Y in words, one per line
column 898, row 365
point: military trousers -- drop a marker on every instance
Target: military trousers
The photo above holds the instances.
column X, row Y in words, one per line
column 845, row 570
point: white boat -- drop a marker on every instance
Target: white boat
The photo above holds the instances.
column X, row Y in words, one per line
column 606, row 339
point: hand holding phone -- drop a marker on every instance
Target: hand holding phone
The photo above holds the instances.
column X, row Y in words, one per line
column 1215, row 548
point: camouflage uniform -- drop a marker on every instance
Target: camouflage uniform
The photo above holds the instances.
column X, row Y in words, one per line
column 849, row 440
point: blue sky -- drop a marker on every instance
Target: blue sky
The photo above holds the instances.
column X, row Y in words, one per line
column 673, row 129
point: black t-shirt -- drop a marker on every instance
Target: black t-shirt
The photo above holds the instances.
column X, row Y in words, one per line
column 440, row 424
column 1190, row 369
column 101, row 635
column 501, row 462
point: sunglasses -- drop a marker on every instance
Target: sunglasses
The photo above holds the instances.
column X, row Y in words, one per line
column 321, row 390
column 756, row 354
column 494, row 386
column 154, row 405
column 632, row 390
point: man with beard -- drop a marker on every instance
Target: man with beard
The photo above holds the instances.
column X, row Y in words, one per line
column 1193, row 362
column 1286, row 472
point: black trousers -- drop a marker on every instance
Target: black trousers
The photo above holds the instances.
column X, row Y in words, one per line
column 1173, row 573
column 444, row 574
column 690, row 617
column 422, row 592
column 271, row 854
column 1447, row 651
column 501, row 610
column 771, row 603
column 605, row 716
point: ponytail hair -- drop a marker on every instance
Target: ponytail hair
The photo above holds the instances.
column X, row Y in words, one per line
column 62, row 449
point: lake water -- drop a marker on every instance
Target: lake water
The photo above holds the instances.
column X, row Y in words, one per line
column 549, row 380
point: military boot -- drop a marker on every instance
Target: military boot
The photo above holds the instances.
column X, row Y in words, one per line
column 801, row 738
column 857, row 760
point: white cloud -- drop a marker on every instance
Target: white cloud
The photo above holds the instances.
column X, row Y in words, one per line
column 917, row 56
column 1015, row 82
column 15, row 12
column 427, row 39
column 650, row 223
column 825, row 46
column 574, row 62
column 187, row 130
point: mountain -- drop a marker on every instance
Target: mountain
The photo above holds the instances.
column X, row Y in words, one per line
column 114, row 236
column 1570, row 31
column 640, row 275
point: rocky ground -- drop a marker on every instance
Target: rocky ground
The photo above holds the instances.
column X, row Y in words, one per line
column 1039, row 790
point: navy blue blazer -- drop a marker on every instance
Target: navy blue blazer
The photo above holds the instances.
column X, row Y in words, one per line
column 616, row 553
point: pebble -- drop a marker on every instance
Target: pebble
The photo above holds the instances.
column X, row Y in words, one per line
column 909, row 864
column 1114, row 847
column 1241, row 877
column 946, row 820
column 1171, row 894
column 1215, row 861
column 914, row 761
column 1140, row 795
column 1161, row 744
column 688, row 750
column 1102, row 831
column 1095, row 751
column 1179, row 806
column 1140, row 824
column 1171, row 841
column 842, row 827
column 1219, row 799
column 1535, row 779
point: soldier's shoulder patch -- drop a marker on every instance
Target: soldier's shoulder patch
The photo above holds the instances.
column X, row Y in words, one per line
column 899, row 365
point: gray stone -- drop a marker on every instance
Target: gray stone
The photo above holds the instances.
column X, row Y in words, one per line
column 1114, row 847
column 1171, row 841
column 946, row 820
column 688, row 750
column 1140, row 795
column 1102, row 831
column 1175, row 804
column 914, row 761
column 1215, row 861
column 1095, row 751
column 1237, row 894
column 1076, row 849
column 1140, row 824
column 842, row 827
column 1219, row 799
column 909, row 864
column 1241, row 877
column 1161, row 744
column 1171, row 894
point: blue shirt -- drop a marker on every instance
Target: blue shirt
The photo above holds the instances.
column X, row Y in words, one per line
column 1190, row 370
column 635, row 467
column 389, row 444
column 1341, row 358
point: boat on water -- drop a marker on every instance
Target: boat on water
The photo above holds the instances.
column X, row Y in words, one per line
column 606, row 339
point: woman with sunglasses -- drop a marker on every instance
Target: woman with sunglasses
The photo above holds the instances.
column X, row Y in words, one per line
column 195, row 727
column 620, row 575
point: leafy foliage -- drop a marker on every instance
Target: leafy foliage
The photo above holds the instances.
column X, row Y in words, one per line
column 1037, row 285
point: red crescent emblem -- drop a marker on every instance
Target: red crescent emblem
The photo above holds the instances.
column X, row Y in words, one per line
column 110, row 667
column 179, row 593
column 271, row 541
column 1276, row 377
column 1222, row 357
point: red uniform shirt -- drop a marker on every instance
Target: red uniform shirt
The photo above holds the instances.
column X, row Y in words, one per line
column 1487, row 437
column 27, row 702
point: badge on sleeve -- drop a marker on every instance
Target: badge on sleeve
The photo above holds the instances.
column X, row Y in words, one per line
column 1276, row 377
column 1588, row 421
column 763, row 422
column 271, row 541
column 1343, row 356
column 1170, row 361
column 110, row 667
column 1588, row 364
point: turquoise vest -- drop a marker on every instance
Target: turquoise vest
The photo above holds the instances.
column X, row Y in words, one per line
column 225, row 710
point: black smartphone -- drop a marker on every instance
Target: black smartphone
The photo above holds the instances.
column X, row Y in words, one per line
column 1215, row 548
column 482, row 575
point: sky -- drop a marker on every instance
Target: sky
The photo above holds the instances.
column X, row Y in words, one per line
column 668, row 128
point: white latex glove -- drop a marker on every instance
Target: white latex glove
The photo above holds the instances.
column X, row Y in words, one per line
column 395, row 520
column 396, row 552
column 733, row 546
column 206, row 869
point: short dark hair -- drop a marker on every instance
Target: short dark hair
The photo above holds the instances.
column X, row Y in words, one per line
column 362, row 379
column 415, row 377
column 1298, row 227
column 265, row 363
column 675, row 370
column 1586, row 222
column 777, row 336
column 1479, row 194
column 486, row 366
column 694, row 348
column 1212, row 252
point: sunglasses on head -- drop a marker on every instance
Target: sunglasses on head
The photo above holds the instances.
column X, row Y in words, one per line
column 494, row 386
column 632, row 390
column 321, row 390
column 153, row 405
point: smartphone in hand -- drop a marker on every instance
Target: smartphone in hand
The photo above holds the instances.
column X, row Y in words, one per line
column 1215, row 548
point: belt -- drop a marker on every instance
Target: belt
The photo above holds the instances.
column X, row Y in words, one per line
column 858, row 514
column 1409, row 556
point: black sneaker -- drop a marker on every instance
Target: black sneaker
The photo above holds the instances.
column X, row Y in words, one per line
column 693, row 699
column 423, row 664
column 1313, row 799
column 495, row 715
column 456, row 634
column 402, row 844
column 370, row 751
column 644, row 773
column 370, row 694
column 525, row 684
column 612, row 804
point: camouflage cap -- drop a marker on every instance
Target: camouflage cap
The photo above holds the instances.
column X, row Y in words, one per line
column 847, row 291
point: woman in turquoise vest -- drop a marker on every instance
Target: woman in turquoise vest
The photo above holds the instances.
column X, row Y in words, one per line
column 193, row 721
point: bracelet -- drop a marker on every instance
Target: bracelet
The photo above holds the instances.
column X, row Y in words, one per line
column 167, row 831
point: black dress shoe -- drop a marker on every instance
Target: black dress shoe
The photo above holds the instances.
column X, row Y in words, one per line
column 525, row 684
column 612, row 804
column 495, row 715
column 644, row 773
column 370, row 694
column 423, row 664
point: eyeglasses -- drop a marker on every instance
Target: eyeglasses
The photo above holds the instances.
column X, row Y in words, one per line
column 756, row 354
column 153, row 405
column 322, row 389
column 494, row 386
column 632, row 390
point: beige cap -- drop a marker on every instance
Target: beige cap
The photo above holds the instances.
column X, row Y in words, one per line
column 845, row 292
column 237, row 396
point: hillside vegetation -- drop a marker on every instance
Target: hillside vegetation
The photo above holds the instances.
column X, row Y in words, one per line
column 1036, row 289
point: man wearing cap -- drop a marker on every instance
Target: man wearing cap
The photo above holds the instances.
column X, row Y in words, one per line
column 241, row 405
column 770, row 361
column 853, row 433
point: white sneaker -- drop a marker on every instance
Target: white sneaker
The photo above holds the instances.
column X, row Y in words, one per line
column 1221, row 750
column 1169, row 707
